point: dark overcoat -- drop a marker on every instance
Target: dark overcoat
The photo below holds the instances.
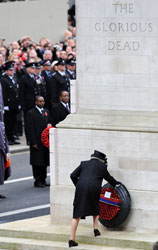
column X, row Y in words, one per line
column 36, row 123
column 59, row 113
column 88, row 179
column 27, row 92
column 57, row 84
column 10, row 92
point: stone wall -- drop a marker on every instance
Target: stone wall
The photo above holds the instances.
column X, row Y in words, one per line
column 117, row 75
column 37, row 19
column 117, row 54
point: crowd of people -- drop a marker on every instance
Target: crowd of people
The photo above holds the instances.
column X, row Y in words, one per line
column 29, row 69
column 34, row 94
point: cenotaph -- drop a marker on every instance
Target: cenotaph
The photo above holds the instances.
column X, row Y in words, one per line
column 116, row 106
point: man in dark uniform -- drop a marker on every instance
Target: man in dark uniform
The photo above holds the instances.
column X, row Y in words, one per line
column 88, row 179
column 40, row 82
column 29, row 88
column 28, row 91
column 71, row 69
column 59, row 82
column 61, row 109
column 38, row 119
column 10, row 91
column 46, row 73
column 46, row 69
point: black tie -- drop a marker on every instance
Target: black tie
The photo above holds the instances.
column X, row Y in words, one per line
column 42, row 111
column 67, row 106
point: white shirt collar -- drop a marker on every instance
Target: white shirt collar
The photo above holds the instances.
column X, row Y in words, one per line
column 64, row 104
column 71, row 72
column 61, row 73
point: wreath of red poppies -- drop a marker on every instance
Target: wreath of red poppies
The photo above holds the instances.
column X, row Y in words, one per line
column 45, row 137
column 107, row 211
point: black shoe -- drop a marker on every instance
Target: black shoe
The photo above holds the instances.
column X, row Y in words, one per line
column 39, row 185
column 16, row 137
column 10, row 142
column 46, row 184
column 2, row 197
column 96, row 232
column 72, row 243
column 17, row 142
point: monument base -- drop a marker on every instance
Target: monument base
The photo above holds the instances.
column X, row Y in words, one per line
column 130, row 141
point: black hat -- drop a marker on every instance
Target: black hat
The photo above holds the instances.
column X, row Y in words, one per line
column 30, row 65
column 71, row 62
column 61, row 62
column 9, row 65
column 99, row 155
column 46, row 62
column 38, row 65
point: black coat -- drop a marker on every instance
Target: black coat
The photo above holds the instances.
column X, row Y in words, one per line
column 47, row 80
column 59, row 113
column 27, row 92
column 36, row 123
column 10, row 92
column 57, row 84
column 88, row 179
column 71, row 76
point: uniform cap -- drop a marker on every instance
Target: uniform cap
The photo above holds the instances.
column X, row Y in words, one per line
column 30, row 65
column 54, row 63
column 46, row 63
column 38, row 65
column 9, row 65
column 61, row 62
column 71, row 62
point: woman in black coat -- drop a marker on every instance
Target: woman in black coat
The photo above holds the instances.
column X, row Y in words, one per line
column 88, row 179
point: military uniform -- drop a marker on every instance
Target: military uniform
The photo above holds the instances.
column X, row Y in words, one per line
column 71, row 71
column 47, row 76
column 10, row 90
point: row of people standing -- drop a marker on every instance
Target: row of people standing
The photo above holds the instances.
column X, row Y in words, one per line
column 35, row 79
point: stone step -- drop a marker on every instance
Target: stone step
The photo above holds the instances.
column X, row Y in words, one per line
column 28, row 244
column 40, row 228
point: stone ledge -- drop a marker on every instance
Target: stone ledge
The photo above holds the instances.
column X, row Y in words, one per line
column 38, row 232
column 112, row 120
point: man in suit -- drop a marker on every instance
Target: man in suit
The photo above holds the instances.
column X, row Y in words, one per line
column 61, row 109
column 38, row 119
column 59, row 82
column 10, row 91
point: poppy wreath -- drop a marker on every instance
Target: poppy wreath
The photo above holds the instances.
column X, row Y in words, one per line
column 115, row 209
column 45, row 137
column 109, row 207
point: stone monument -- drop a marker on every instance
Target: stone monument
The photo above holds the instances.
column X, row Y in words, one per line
column 116, row 110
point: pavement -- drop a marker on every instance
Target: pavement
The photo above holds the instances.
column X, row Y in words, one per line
column 40, row 234
column 19, row 148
